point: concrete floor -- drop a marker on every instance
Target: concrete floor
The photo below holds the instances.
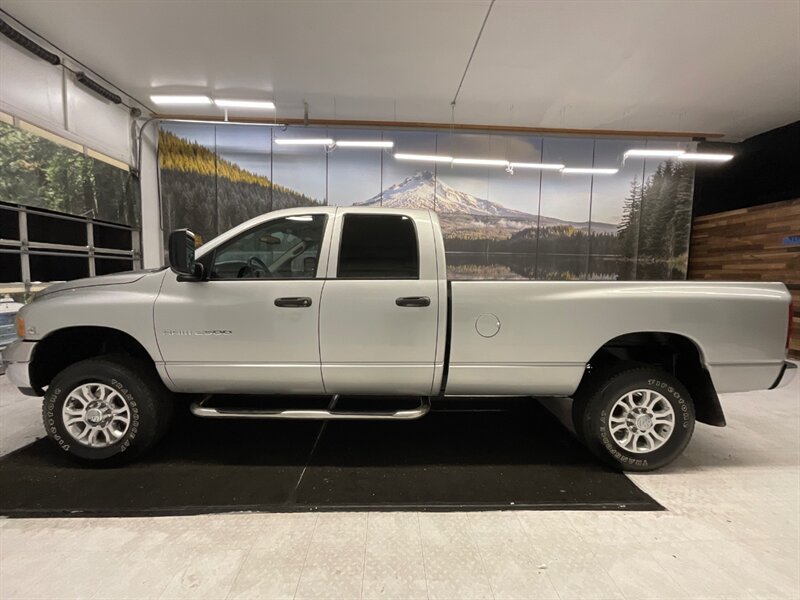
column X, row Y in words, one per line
column 732, row 530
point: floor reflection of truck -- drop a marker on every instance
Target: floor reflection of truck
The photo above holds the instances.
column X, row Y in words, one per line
column 356, row 301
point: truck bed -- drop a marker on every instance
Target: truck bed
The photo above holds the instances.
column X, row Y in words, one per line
column 548, row 331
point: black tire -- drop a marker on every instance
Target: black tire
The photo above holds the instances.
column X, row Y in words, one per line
column 579, row 402
column 148, row 400
column 591, row 410
column 592, row 379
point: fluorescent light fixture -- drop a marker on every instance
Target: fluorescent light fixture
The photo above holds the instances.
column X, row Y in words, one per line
column 425, row 157
column 709, row 157
column 365, row 143
column 489, row 162
column 304, row 141
column 589, row 171
column 158, row 99
column 648, row 152
column 542, row 166
column 265, row 104
column 300, row 218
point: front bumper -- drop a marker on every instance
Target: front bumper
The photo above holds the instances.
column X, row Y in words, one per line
column 17, row 358
column 786, row 376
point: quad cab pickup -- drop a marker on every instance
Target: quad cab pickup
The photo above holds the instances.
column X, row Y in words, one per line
column 355, row 301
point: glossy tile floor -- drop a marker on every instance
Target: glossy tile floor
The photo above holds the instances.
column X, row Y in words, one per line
column 732, row 530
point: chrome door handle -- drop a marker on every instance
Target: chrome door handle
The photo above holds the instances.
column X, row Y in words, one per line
column 413, row 301
column 293, row 302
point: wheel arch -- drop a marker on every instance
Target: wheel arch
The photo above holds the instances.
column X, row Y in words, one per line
column 674, row 352
column 69, row 345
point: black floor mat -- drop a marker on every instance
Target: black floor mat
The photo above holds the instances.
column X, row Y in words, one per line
column 518, row 457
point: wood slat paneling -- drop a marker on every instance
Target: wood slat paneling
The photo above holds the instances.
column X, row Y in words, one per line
column 748, row 244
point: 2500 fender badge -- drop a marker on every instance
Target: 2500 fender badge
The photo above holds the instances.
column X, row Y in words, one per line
column 198, row 332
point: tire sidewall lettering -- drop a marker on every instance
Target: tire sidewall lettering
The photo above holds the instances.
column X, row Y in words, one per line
column 59, row 434
column 597, row 410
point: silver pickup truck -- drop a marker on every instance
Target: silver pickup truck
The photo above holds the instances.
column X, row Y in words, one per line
column 355, row 301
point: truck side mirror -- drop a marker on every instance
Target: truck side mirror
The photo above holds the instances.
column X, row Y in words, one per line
column 181, row 255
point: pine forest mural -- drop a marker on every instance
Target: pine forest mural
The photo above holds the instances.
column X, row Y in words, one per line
column 497, row 225
column 209, row 194
column 37, row 172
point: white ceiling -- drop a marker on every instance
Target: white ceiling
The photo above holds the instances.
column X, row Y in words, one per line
column 703, row 66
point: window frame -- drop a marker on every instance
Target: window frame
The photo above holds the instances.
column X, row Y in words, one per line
column 208, row 260
column 393, row 215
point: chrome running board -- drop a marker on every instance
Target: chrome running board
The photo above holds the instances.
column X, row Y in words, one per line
column 328, row 414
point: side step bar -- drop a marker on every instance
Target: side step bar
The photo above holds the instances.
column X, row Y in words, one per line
column 329, row 414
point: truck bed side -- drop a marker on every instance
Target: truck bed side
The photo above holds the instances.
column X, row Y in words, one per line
column 548, row 331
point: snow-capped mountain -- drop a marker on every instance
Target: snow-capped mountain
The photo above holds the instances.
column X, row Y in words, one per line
column 420, row 190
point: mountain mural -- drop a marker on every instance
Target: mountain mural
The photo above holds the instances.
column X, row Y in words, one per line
column 420, row 190
column 484, row 239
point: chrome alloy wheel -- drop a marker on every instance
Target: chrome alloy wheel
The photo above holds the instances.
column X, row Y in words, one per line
column 641, row 421
column 96, row 415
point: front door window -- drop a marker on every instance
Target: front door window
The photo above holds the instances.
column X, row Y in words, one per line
column 285, row 248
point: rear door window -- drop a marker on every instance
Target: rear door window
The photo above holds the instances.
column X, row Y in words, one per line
column 378, row 247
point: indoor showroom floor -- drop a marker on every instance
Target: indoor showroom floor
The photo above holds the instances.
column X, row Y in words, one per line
column 731, row 529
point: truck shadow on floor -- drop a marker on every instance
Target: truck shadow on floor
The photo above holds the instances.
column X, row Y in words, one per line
column 514, row 455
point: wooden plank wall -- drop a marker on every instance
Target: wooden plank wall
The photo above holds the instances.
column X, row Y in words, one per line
column 750, row 245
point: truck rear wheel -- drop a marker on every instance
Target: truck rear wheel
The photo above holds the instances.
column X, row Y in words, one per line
column 106, row 411
column 638, row 419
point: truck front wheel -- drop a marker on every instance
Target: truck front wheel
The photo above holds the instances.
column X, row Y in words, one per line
column 639, row 419
column 106, row 410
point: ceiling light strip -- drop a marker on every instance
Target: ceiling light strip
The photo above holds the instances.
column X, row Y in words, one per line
column 365, row 143
column 589, row 171
column 304, row 141
column 424, row 157
column 541, row 166
column 258, row 104
column 168, row 100
column 653, row 152
column 489, row 162
column 705, row 157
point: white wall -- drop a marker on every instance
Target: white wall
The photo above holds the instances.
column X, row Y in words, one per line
column 152, row 238
column 48, row 96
